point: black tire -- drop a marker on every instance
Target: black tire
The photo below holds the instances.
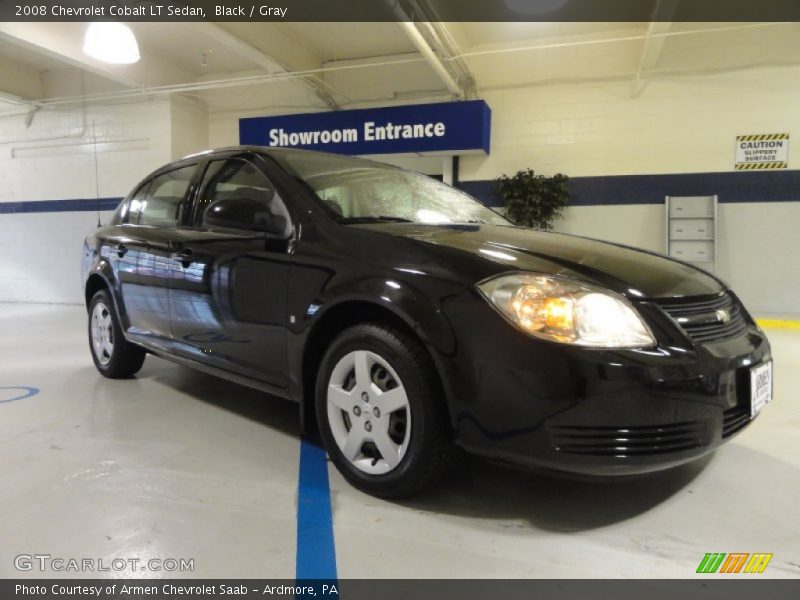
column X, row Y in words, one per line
column 430, row 452
column 126, row 359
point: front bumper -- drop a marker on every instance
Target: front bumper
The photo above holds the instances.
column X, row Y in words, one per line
column 596, row 412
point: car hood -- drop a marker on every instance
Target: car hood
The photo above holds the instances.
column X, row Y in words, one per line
column 625, row 270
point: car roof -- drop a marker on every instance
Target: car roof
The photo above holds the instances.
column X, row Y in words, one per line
column 266, row 151
column 249, row 148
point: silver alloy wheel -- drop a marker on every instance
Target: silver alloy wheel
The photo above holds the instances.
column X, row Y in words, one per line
column 368, row 412
column 102, row 333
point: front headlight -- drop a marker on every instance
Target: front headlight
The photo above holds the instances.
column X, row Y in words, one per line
column 561, row 310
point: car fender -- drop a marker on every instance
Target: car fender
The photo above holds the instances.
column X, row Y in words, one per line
column 424, row 317
column 403, row 300
column 102, row 268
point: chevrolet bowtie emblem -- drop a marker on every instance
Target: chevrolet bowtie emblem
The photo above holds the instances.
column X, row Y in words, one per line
column 723, row 316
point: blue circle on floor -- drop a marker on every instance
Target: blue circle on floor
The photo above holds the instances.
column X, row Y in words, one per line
column 16, row 392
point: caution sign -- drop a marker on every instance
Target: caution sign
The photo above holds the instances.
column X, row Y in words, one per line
column 762, row 151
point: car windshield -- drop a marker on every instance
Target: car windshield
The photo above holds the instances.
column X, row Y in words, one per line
column 362, row 191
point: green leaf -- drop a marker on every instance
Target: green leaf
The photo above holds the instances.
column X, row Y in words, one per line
column 534, row 200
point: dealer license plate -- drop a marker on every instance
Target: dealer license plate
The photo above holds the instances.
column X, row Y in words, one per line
column 760, row 387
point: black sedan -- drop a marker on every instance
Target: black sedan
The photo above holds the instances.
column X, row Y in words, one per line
column 410, row 322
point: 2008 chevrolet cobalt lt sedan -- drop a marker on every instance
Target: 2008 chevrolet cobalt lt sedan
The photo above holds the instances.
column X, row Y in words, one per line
column 410, row 322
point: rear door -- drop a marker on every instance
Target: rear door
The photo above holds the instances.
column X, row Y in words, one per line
column 121, row 248
column 228, row 295
column 152, row 217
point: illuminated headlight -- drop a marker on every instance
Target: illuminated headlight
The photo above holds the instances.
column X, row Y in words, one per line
column 561, row 310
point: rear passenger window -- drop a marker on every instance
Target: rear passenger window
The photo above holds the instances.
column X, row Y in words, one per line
column 160, row 206
column 125, row 210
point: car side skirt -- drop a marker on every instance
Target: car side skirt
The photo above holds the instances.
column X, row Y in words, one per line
column 221, row 373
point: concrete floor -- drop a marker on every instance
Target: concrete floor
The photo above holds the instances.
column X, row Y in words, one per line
column 176, row 464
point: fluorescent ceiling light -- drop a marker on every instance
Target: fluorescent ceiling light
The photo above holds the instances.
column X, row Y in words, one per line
column 111, row 43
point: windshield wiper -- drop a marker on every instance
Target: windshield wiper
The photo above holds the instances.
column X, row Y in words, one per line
column 375, row 219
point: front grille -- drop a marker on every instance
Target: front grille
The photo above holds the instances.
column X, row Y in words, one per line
column 706, row 318
column 734, row 419
column 627, row 441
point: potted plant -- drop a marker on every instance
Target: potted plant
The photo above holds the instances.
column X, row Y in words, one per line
column 534, row 200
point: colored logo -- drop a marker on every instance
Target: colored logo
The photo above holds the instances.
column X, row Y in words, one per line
column 735, row 562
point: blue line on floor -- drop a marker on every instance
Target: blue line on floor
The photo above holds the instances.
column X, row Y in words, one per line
column 24, row 392
column 316, row 552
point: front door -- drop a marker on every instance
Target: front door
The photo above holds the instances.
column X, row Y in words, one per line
column 228, row 290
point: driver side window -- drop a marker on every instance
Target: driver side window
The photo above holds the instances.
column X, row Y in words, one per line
column 236, row 179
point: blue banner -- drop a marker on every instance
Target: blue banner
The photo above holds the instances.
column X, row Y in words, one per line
column 457, row 127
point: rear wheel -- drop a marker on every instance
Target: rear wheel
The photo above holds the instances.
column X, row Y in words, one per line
column 113, row 355
column 381, row 413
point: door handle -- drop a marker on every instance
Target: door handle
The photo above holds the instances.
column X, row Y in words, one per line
column 185, row 257
column 122, row 250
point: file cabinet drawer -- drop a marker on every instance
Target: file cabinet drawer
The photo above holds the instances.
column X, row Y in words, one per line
column 691, row 229
column 692, row 251
column 691, row 206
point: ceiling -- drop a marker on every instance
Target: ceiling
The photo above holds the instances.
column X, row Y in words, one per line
column 350, row 63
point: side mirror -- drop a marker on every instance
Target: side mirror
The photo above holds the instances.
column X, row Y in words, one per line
column 244, row 213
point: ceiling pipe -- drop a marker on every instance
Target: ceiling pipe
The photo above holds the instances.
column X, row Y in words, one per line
column 433, row 60
column 429, row 54
column 450, row 53
column 12, row 99
column 642, row 59
column 213, row 84
column 613, row 40
column 438, row 38
column 32, row 109
column 286, row 76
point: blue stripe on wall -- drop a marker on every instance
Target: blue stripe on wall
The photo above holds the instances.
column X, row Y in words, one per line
column 731, row 186
column 71, row 205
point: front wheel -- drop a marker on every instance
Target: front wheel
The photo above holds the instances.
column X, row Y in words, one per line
column 113, row 355
column 381, row 413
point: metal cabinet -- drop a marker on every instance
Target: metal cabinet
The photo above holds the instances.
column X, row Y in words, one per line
column 692, row 229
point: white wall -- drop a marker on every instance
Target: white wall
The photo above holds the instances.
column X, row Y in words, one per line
column 677, row 125
column 54, row 159
column 756, row 246
column 188, row 127
column 758, row 249
column 40, row 255
column 680, row 125
column 640, row 225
